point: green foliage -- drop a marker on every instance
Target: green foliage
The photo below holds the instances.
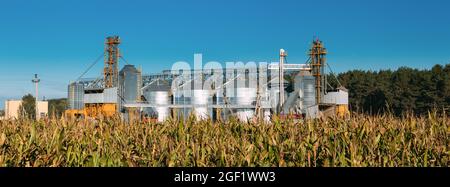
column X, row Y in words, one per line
column 56, row 107
column 405, row 89
column 28, row 107
column 358, row 141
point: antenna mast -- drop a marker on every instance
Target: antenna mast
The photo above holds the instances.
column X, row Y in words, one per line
column 36, row 81
column 283, row 55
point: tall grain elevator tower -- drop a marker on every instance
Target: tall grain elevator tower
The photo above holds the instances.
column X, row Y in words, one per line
column 112, row 55
column 317, row 55
column 94, row 100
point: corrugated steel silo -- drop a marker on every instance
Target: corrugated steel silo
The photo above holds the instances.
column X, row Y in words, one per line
column 159, row 98
column 128, row 85
column 75, row 96
column 309, row 93
column 245, row 96
column 201, row 99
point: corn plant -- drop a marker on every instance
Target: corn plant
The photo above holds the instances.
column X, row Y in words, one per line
column 357, row 141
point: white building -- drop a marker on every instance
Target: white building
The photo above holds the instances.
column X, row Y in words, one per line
column 12, row 108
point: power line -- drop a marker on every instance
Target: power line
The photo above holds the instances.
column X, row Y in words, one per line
column 121, row 57
column 92, row 65
column 334, row 75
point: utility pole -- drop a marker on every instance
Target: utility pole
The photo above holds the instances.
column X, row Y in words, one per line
column 283, row 55
column 36, row 81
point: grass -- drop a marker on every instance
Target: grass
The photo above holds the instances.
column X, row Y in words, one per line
column 359, row 141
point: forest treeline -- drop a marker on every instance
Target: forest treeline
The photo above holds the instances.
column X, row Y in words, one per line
column 405, row 90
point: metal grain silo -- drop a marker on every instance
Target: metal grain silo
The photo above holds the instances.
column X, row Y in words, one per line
column 309, row 93
column 129, row 85
column 158, row 93
column 245, row 97
column 75, row 96
column 159, row 98
column 201, row 99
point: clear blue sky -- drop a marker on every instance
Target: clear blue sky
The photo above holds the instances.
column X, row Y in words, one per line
column 59, row 39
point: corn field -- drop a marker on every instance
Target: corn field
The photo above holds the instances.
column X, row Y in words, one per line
column 359, row 141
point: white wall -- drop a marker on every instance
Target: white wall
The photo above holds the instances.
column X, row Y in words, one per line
column 340, row 98
column 12, row 109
